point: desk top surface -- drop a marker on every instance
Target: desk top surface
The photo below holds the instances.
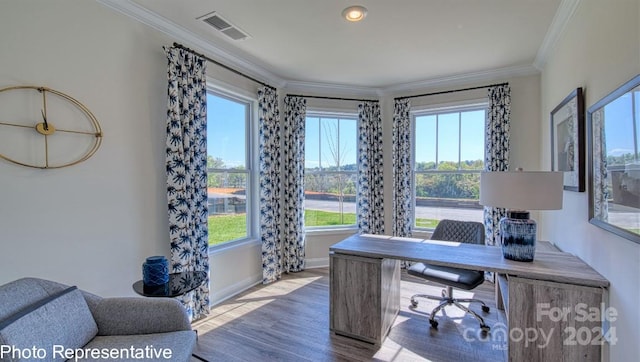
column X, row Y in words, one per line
column 548, row 265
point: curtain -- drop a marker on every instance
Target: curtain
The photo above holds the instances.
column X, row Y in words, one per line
column 294, row 233
column 270, row 183
column 600, row 177
column 370, row 181
column 402, row 170
column 186, row 169
column 496, row 152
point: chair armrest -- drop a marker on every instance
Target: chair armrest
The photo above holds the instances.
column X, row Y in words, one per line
column 128, row 316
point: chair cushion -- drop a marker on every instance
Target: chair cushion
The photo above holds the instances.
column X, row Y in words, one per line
column 65, row 321
column 152, row 347
column 457, row 278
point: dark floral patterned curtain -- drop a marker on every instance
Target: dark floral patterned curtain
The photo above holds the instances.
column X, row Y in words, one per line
column 496, row 152
column 186, row 169
column 293, row 237
column 600, row 178
column 270, row 184
column 370, row 180
column 402, row 169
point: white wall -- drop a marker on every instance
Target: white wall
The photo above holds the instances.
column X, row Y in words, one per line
column 93, row 224
column 599, row 51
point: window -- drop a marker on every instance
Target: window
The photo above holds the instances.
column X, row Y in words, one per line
column 331, row 149
column 229, row 176
column 449, row 156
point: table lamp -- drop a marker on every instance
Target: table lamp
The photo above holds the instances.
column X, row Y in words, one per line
column 518, row 192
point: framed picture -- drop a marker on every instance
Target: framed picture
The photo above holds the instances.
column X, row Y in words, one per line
column 567, row 140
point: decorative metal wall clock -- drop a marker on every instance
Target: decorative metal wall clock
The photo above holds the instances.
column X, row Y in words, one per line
column 44, row 128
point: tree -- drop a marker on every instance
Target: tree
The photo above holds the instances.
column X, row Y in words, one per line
column 337, row 153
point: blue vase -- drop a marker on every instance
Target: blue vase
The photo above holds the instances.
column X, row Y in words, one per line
column 518, row 236
column 155, row 271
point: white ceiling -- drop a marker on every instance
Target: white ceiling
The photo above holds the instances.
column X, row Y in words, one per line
column 399, row 42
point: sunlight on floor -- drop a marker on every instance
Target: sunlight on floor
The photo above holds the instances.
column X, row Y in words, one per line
column 228, row 312
column 279, row 288
column 391, row 351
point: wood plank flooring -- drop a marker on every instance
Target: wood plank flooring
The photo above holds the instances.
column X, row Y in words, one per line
column 289, row 321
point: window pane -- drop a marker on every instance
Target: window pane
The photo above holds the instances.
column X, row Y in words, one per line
column 348, row 144
column 226, row 132
column 330, row 199
column 330, row 171
column 228, row 161
column 425, row 143
column 449, row 151
column 472, row 140
column 448, row 133
column 329, row 146
column 312, row 143
column 447, row 196
column 227, row 204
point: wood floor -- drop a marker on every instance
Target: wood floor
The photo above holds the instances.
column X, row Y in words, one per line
column 289, row 321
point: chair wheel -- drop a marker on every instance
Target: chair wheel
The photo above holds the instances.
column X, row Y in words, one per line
column 414, row 303
column 485, row 309
column 434, row 323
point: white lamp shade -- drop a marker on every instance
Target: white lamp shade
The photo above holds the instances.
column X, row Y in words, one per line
column 522, row 190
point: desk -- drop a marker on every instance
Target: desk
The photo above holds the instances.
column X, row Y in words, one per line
column 365, row 291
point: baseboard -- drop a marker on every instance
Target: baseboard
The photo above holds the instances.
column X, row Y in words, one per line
column 316, row 263
column 220, row 296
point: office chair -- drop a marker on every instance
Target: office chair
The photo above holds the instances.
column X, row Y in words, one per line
column 464, row 232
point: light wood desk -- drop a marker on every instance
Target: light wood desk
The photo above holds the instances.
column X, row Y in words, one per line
column 365, row 292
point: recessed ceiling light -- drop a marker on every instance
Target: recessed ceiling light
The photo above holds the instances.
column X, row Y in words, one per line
column 354, row 13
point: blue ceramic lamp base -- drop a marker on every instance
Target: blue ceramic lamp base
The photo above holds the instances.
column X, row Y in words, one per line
column 155, row 271
column 518, row 236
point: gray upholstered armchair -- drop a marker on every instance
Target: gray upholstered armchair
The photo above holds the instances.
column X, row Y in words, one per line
column 62, row 321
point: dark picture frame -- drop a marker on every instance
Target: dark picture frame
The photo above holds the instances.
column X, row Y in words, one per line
column 614, row 165
column 567, row 140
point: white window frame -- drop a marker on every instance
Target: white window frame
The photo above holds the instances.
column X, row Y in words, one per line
column 232, row 93
column 464, row 106
column 324, row 113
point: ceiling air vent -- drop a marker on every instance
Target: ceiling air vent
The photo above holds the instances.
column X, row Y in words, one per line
column 215, row 20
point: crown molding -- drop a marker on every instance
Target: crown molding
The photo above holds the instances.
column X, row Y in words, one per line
column 461, row 79
column 188, row 38
column 563, row 15
column 338, row 90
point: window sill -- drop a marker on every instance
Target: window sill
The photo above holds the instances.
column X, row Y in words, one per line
column 233, row 245
column 332, row 231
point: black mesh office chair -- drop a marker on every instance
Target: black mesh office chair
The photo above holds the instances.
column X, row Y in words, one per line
column 464, row 232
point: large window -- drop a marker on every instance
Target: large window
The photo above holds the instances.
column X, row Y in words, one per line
column 449, row 156
column 331, row 149
column 228, row 168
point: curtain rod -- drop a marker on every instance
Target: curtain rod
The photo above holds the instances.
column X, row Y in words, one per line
column 335, row 98
column 178, row 45
column 452, row 91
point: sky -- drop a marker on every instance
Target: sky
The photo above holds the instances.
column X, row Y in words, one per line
column 226, row 130
column 452, row 129
column 619, row 136
column 226, row 136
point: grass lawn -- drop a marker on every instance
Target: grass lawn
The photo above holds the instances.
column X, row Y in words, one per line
column 223, row 228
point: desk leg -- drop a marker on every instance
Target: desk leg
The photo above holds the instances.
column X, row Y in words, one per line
column 365, row 296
